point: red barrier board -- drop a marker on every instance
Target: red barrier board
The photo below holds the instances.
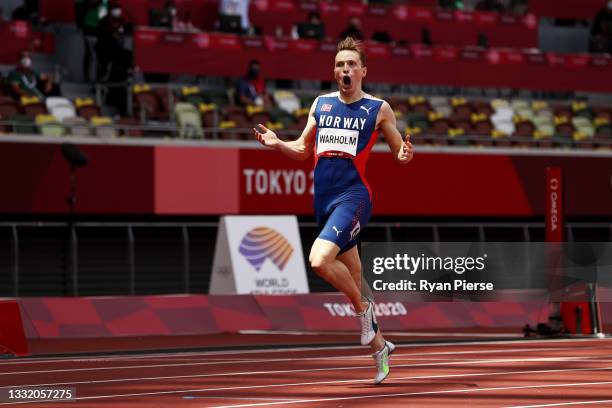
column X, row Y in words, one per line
column 227, row 55
column 180, row 180
column 333, row 312
column 16, row 37
column 566, row 9
column 141, row 316
column 12, row 337
column 402, row 22
column 198, row 314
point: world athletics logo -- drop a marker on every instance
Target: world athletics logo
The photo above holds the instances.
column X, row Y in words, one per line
column 263, row 242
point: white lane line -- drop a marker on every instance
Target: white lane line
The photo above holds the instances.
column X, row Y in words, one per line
column 301, row 370
column 388, row 334
column 403, row 356
column 193, row 376
column 157, row 393
column 193, row 397
column 407, row 394
column 562, row 404
column 349, row 357
column 294, row 349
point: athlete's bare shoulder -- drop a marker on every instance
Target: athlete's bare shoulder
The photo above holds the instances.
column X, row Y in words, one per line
column 384, row 113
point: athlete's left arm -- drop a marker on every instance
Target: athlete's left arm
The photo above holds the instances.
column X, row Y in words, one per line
column 402, row 149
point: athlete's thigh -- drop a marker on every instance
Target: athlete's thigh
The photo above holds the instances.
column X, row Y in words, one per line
column 323, row 251
column 351, row 260
column 350, row 214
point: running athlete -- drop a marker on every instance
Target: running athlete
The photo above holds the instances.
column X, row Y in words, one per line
column 342, row 127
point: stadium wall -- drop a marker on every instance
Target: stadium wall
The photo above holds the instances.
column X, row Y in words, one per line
column 200, row 178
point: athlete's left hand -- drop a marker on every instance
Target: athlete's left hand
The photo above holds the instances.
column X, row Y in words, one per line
column 406, row 153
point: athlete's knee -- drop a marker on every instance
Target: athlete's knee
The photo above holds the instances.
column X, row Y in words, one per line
column 318, row 262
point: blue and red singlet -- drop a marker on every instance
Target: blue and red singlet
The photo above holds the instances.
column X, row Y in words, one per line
column 345, row 135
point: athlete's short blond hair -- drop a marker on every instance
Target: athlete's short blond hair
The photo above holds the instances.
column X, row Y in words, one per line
column 350, row 44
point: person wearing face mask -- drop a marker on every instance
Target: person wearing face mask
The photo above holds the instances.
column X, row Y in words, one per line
column 163, row 17
column 251, row 89
column 178, row 21
column 25, row 81
column 601, row 30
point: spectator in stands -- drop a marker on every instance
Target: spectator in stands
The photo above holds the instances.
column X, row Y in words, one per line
column 88, row 16
column 237, row 8
column 28, row 11
column 451, row 4
column 24, row 81
column 110, row 40
column 251, row 89
column 313, row 28
column 489, row 5
column 171, row 18
column 601, row 31
column 115, row 60
column 353, row 30
column 518, row 7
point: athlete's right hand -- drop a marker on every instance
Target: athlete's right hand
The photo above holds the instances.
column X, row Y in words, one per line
column 267, row 138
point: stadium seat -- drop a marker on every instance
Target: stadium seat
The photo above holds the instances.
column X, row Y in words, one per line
column 23, row 124
column 420, row 105
column 581, row 109
column 48, row 125
column 77, row 126
column 4, row 127
column 602, row 112
column 502, row 119
column 218, row 96
column 462, row 110
column 584, row 127
column 8, row 107
column 193, row 95
column 257, row 114
column 129, row 127
column 227, row 130
column 103, row 126
column 518, row 104
column 188, row 120
column 287, row 101
column 282, row 116
column 539, row 106
column 237, row 114
column 166, row 99
column 61, row 108
column 603, row 137
column 562, row 111
column 32, row 106
column 209, row 114
column 398, row 103
column 86, row 108
column 483, row 108
column 481, row 126
column 146, row 103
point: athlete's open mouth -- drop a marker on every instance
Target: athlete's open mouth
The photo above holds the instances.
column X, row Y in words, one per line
column 346, row 80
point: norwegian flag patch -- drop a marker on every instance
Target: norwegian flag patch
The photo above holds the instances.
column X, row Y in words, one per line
column 326, row 107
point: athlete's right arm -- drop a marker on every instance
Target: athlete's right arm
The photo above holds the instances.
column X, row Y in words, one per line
column 299, row 149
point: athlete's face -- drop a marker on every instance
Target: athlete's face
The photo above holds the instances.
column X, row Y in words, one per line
column 348, row 71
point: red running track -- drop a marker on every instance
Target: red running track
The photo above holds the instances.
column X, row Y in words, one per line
column 533, row 373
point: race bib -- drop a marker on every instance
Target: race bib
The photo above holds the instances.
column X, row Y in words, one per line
column 338, row 140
